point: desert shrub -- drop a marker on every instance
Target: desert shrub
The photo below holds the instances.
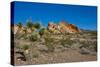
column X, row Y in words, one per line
column 17, row 46
column 66, row 42
column 85, row 44
column 35, row 55
column 29, row 24
column 23, row 36
column 95, row 47
column 37, row 25
column 25, row 47
column 34, row 36
column 50, row 47
column 20, row 24
column 89, row 45
column 41, row 32
column 19, row 36
column 22, row 46
column 49, row 43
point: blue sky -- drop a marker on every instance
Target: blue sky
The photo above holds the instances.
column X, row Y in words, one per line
column 85, row 17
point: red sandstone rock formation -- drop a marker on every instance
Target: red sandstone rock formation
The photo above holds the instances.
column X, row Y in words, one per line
column 64, row 27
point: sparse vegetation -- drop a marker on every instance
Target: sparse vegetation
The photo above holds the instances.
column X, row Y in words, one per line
column 41, row 43
column 25, row 47
column 35, row 55
column 29, row 24
column 49, row 44
column 66, row 42
column 20, row 25
column 37, row 25
column 34, row 36
column 42, row 31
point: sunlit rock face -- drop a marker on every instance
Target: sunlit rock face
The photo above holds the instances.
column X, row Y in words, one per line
column 69, row 27
column 15, row 29
column 55, row 28
column 63, row 27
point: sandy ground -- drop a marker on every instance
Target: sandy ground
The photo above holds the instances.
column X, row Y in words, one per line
column 59, row 57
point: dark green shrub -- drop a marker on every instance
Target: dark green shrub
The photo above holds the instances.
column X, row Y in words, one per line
column 37, row 25
column 34, row 36
column 35, row 55
column 25, row 47
column 41, row 32
column 20, row 25
column 66, row 42
column 49, row 43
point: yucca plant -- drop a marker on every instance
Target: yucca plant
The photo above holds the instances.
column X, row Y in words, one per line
column 37, row 25
column 29, row 25
column 19, row 25
column 42, row 31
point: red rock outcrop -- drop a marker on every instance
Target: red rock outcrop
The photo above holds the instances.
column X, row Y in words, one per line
column 64, row 27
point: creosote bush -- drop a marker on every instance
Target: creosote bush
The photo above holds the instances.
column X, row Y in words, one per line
column 25, row 47
column 22, row 46
column 41, row 32
column 35, row 55
column 49, row 43
column 66, row 42
column 34, row 36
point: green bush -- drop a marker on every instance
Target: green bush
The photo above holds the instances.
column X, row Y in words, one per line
column 37, row 25
column 95, row 47
column 66, row 42
column 90, row 45
column 22, row 46
column 41, row 32
column 25, row 47
column 49, row 43
column 34, row 36
column 35, row 55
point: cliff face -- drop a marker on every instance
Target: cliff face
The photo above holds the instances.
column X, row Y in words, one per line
column 63, row 27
